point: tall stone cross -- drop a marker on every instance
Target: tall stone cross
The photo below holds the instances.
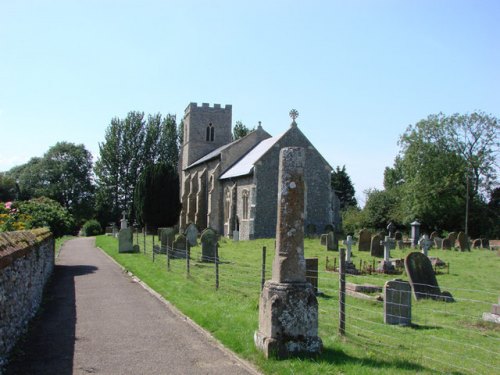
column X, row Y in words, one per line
column 294, row 114
column 288, row 308
column 388, row 244
column 348, row 242
column 123, row 221
column 425, row 242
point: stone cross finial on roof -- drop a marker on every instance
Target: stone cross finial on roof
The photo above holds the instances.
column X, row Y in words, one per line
column 294, row 114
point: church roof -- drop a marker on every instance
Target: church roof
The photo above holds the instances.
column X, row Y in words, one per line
column 211, row 155
column 245, row 165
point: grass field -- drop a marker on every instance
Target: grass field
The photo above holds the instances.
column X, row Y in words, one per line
column 445, row 338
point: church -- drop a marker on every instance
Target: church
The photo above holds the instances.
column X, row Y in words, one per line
column 232, row 186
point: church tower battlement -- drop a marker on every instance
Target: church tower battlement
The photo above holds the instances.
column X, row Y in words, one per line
column 206, row 128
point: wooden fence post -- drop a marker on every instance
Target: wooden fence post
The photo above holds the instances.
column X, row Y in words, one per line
column 342, row 293
column 263, row 271
column 217, row 266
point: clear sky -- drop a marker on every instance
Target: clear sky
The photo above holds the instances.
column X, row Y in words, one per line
column 359, row 72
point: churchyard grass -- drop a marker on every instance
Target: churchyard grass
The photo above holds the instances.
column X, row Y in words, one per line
column 444, row 337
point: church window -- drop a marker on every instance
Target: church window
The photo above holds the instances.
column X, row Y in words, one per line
column 210, row 133
column 244, row 196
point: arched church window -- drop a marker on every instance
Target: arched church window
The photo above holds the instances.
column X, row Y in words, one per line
column 210, row 132
column 244, row 197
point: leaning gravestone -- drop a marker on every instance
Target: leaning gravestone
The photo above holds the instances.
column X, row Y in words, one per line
column 192, row 234
column 397, row 302
column 332, row 241
column 452, row 237
column 376, row 249
column 365, row 238
column 179, row 247
column 434, row 235
column 476, row 244
column 125, row 242
column 445, row 244
column 463, row 241
column 288, row 308
column 422, row 278
column 167, row 236
column 208, row 241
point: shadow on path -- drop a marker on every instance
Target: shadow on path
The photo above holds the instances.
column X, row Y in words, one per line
column 48, row 347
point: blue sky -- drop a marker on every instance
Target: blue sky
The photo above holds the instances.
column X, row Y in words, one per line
column 359, row 72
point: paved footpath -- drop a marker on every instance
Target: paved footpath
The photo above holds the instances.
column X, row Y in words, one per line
column 97, row 320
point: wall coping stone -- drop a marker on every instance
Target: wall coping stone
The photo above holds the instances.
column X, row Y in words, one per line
column 14, row 245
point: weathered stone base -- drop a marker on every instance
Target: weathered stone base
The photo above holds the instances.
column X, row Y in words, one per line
column 489, row 317
column 288, row 320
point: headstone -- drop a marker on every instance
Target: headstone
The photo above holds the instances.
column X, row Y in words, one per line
column 236, row 235
column 398, row 236
column 434, row 235
column 388, row 244
column 445, row 244
column 310, row 230
column 477, row 243
column 332, row 241
column 425, row 244
column 376, row 249
column 397, row 302
column 422, row 278
column 312, row 272
column 109, row 230
column 167, row 237
column 123, row 221
column 415, row 233
column 485, row 243
column 438, row 242
column 115, row 231
column 463, row 241
column 208, row 241
column 125, row 242
column 348, row 242
column 192, row 234
column 179, row 247
column 390, row 229
column 365, row 238
column 323, row 239
column 288, row 308
column 452, row 237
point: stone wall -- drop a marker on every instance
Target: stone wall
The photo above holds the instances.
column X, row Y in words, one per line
column 26, row 262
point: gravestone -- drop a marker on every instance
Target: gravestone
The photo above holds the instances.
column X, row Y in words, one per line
column 494, row 315
column 123, row 221
column 398, row 236
column 109, row 230
column 438, row 242
column 192, row 234
column 422, row 278
column 332, row 241
column 425, row 244
column 179, row 247
column 387, row 244
column 329, row 228
column 445, row 244
column 390, row 229
column 323, row 239
column 288, row 308
column 434, row 235
column 125, row 242
column 452, row 237
column 397, row 302
column 167, row 236
column 365, row 239
column 415, row 233
column 312, row 272
column 463, row 241
column 477, row 243
column 485, row 243
column 208, row 241
column 350, row 268
column 376, row 249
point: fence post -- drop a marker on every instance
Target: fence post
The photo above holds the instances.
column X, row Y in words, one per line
column 168, row 257
column 188, row 255
column 217, row 266
column 342, row 293
column 144, row 231
column 263, row 272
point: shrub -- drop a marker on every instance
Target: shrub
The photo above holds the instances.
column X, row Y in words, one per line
column 91, row 228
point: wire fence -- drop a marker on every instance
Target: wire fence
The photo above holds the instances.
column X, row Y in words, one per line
column 443, row 336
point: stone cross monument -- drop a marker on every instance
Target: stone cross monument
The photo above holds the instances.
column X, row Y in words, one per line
column 389, row 244
column 123, row 221
column 348, row 242
column 415, row 233
column 288, row 309
column 425, row 242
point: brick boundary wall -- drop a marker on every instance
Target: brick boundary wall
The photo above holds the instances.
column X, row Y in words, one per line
column 26, row 263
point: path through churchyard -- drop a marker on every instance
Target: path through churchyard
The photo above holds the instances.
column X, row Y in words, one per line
column 96, row 319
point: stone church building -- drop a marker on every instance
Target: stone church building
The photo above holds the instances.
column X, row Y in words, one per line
column 231, row 186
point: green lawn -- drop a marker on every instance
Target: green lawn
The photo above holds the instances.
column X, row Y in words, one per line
column 446, row 337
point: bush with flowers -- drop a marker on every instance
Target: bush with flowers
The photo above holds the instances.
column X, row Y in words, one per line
column 12, row 219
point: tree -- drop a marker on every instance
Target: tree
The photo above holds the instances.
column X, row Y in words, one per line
column 8, row 188
column 131, row 144
column 63, row 174
column 240, row 130
column 343, row 188
column 157, row 196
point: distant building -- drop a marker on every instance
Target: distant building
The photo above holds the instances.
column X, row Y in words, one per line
column 232, row 185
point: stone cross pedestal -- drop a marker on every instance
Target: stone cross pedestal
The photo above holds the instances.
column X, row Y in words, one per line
column 425, row 243
column 288, row 309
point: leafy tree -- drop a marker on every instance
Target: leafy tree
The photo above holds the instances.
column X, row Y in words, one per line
column 129, row 145
column 8, row 188
column 382, row 206
column 240, row 130
column 343, row 188
column 63, row 174
column 157, row 196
